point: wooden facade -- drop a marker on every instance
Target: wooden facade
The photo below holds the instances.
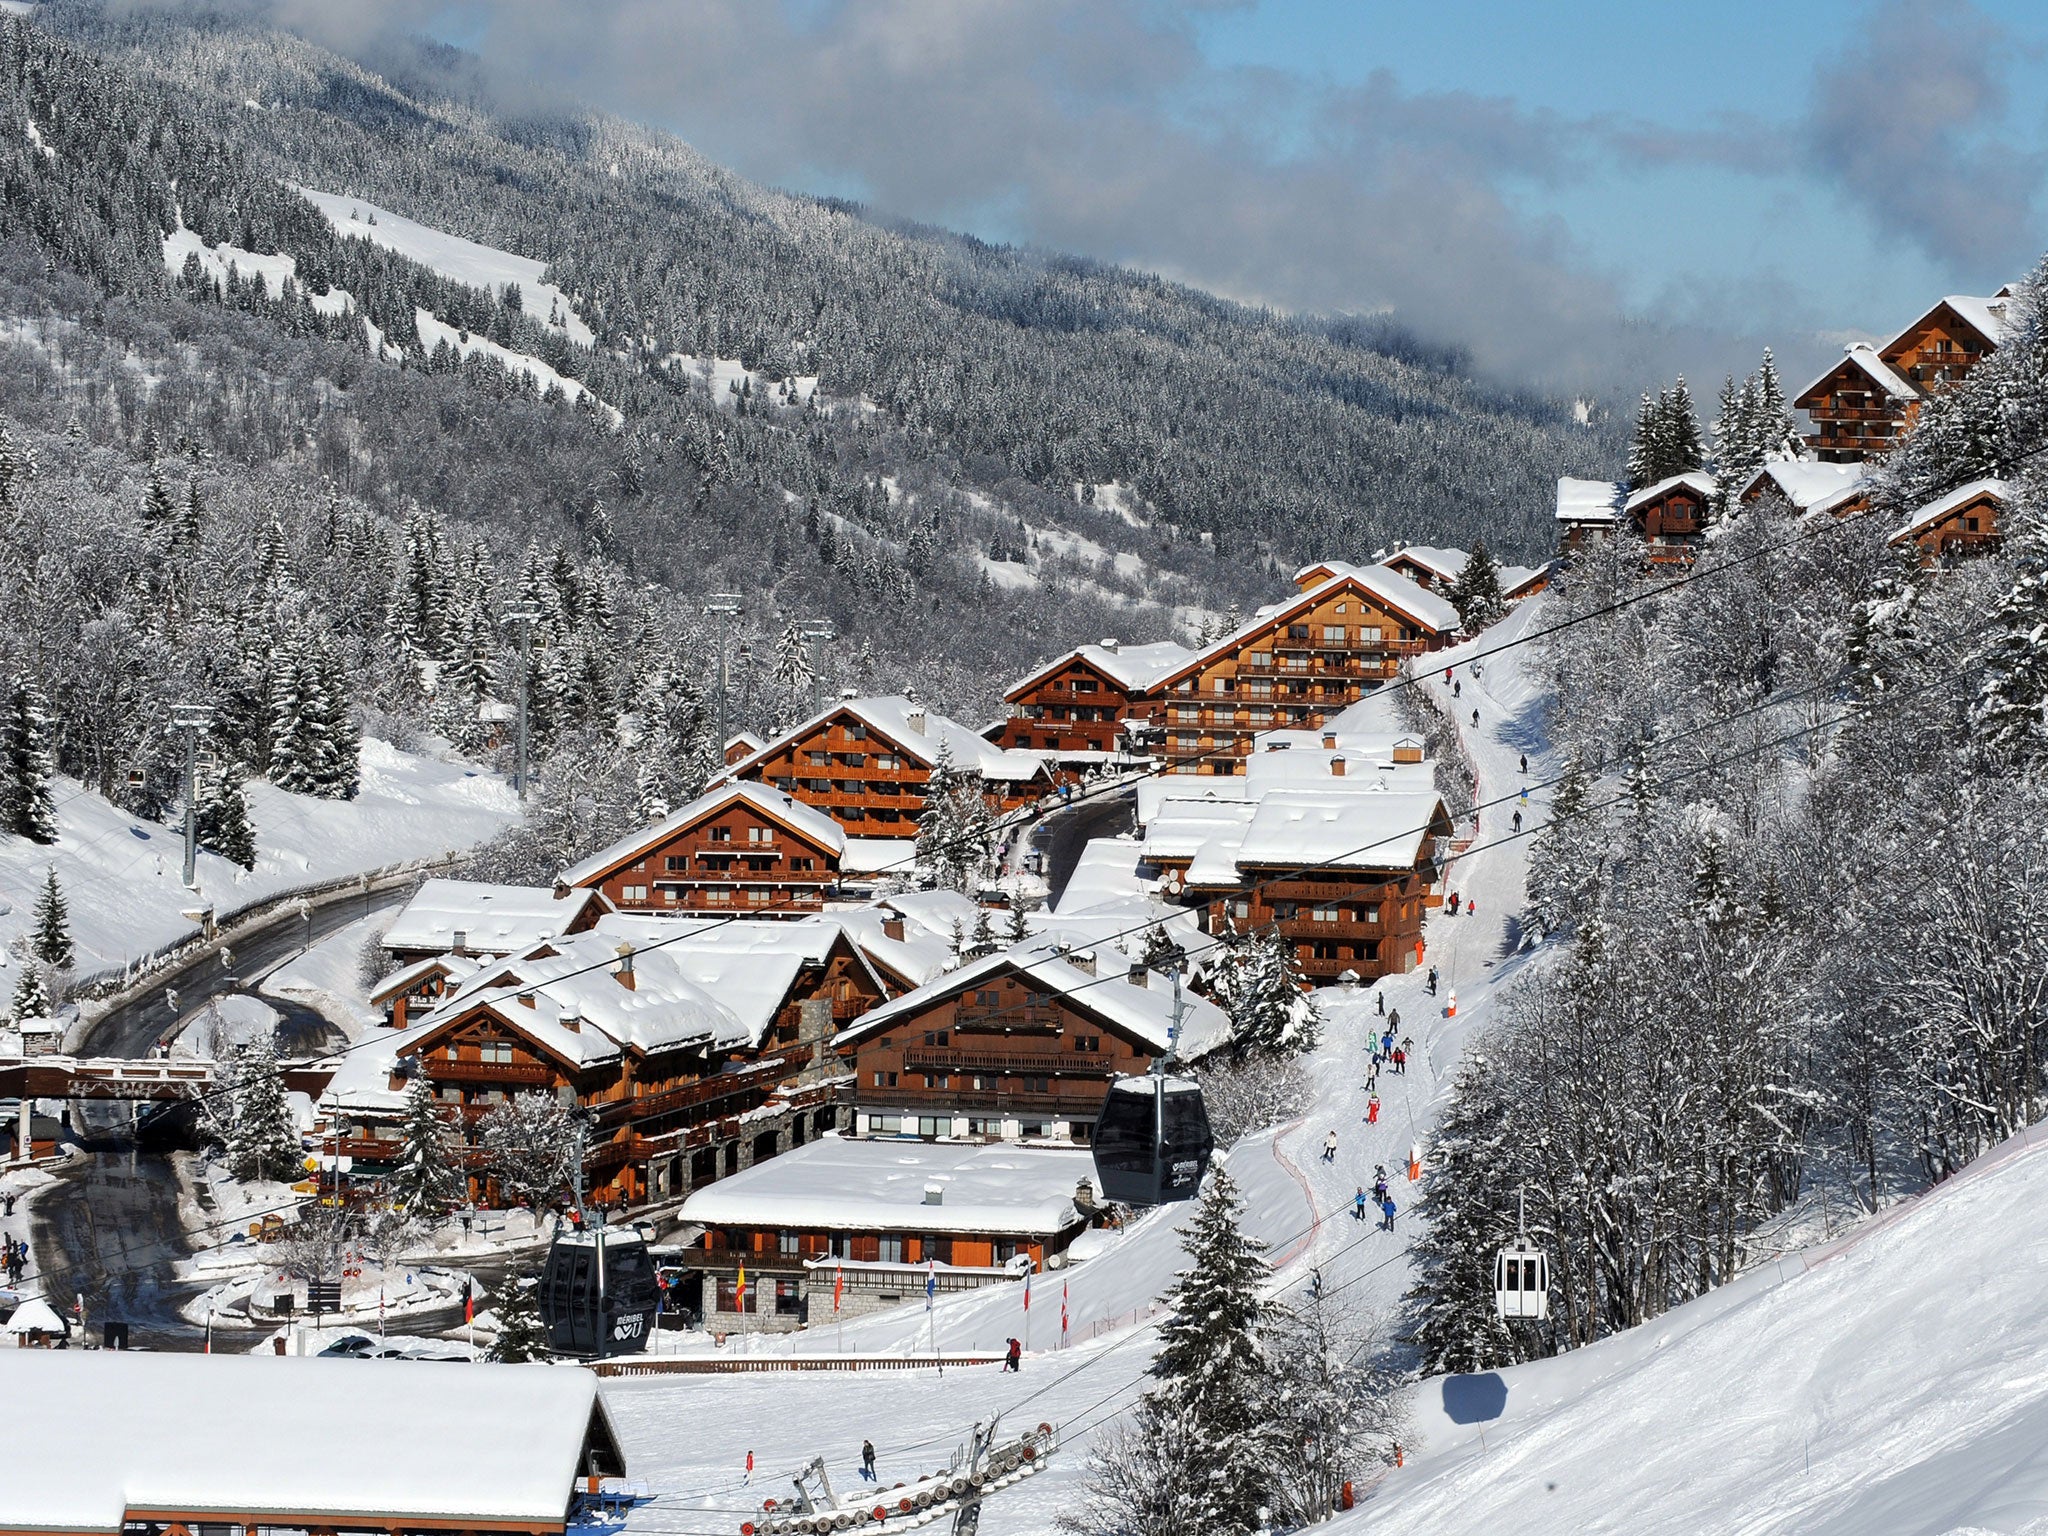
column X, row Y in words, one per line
column 1941, row 347
column 1671, row 517
column 1074, row 706
column 867, row 778
column 1961, row 524
column 1858, row 408
column 999, row 1055
column 735, row 853
column 1301, row 665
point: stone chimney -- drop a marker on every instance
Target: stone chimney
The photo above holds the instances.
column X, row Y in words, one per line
column 914, row 718
column 1110, row 644
column 461, row 941
column 1084, row 1195
column 624, row 969
column 892, row 928
column 526, row 999
column 1329, row 741
column 846, row 694
column 935, row 1194
column 1083, row 960
column 1137, row 974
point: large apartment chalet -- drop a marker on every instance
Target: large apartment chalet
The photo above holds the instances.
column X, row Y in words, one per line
column 865, row 763
column 1079, row 705
column 742, row 847
column 1861, row 405
column 1021, row 1043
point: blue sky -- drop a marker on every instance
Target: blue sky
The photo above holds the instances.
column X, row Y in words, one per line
column 1578, row 196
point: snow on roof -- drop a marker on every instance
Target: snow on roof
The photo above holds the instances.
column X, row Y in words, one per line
column 1863, row 357
column 1985, row 315
column 1134, row 667
column 1586, row 501
column 1954, row 501
column 804, row 820
column 1107, row 871
column 1377, row 829
column 35, row 1316
column 1311, row 768
column 1179, row 829
column 1444, row 564
column 1213, row 865
column 841, row 1185
column 1144, row 1013
column 496, row 919
column 878, row 855
column 1154, row 792
column 117, row 1432
column 457, row 968
column 1391, row 588
column 919, row 733
column 1808, row 484
column 1694, row 479
column 752, row 741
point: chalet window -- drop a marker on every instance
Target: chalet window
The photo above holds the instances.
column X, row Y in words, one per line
column 498, row 1052
column 1372, row 949
column 1324, row 950
column 1088, row 1043
column 1333, row 634
column 1297, row 631
column 1370, row 633
column 451, row 1095
column 785, row 785
column 721, row 834
column 818, row 759
column 1238, row 907
column 988, row 997
column 934, row 1125
column 1343, row 607
column 885, row 1125
column 1372, row 912
column 670, row 894
column 788, row 1298
column 938, row 1037
column 632, row 893
column 760, row 834
column 717, row 896
column 786, row 1242
column 642, row 864
column 935, row 1079
column 1284, row 911
column 675, row 862
column 854, row 759
column 729, row 1300
column 1086, row 685
column 805, row 864
column 1970, row 523
column 1327, row 913
column 851, row 813
column 885, row 1079
column 937, row 1248
column 892, row 1250
column 1034, row 1085
column 856, row 733
column 760, row 895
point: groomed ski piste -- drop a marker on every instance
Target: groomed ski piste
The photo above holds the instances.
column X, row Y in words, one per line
column 688, row 1437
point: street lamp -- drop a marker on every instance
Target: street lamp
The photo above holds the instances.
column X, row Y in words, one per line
column 725, row 607
column 191, row 719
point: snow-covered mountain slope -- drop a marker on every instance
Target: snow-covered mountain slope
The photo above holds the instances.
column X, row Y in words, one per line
column 1890, row 1383
column 121, row 876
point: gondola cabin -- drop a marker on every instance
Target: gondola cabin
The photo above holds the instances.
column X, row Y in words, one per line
column 597, row 1295
column 1521, row 1282
column 1152, row 1140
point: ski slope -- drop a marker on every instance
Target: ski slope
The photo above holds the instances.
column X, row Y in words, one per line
column 122, row 876
column 1299, row 1205
column 1890, row 1383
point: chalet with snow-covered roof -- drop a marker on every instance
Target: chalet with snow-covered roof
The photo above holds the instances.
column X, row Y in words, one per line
column 742, row 746
column 743, row 847
column 1020, row 1043
column 467, row 917
column 415, row 988
column 1294, row 666
column 865, row 763
column 844, row 1227
column 696, row 1049
column 1859, row 407
column 1953, row 527
column 1586, row 512
column 1671, row 516
column 1077, row 705
column 1940, row 347
column 1437, row 570
column 1811, row 487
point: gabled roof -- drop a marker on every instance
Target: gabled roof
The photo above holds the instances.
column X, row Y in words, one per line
column 918, row 734
column 1586, row 501
column 751, row 740
column 812, row 825
column 1389, row 589
column 1693, row 479
column 456, row 968
column 1945, row 506
column 119, row 1433
column 1808, row 484
column 1985, row 316
column 496, row 919
column 1134, row 668
column 1862, row 357
column 1444, row 564
column 1143, row 1014
column 1325, row 829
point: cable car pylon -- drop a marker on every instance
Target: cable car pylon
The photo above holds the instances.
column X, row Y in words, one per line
column 977, row 1469
column 1521, row 1273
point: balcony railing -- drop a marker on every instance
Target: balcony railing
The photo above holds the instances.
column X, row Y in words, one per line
column 935, row 1100
column 924, row 1058
column 529, row 1074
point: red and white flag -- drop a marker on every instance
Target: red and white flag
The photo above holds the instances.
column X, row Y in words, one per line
column 1027, row 1290
column 1063, row 1312
column 838, row 1284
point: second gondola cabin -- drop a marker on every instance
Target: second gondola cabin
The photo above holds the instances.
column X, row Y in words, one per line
column 1152, row 1140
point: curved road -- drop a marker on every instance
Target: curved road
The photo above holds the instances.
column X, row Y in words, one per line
column 1064, row 833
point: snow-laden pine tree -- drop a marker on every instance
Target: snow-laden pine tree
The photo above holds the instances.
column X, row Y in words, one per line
column 1564, row 855
column 27, row 766
column 530, row 1146
column 522, row 1335
column 51, row 937
column 1476, row 593
column 260, row 1139
column 1256, row 979
column 955, row 829
column 17, row 470
column 159, row 510
column 793, row 659
column 223, row 820
column 2010, row 714
column 1467, row 1211
column 425, row 1182
column 31, row 998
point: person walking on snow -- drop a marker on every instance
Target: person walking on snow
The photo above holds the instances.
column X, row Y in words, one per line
column 1525, row 762
column 1518, row 821
column 1330, row 1147
column 1457, row 689
column 1454, row 903
column 1400, row 1062
column 1358, row 1205
column 1393, row 1021
column 1380, row 1001
column 1447, row 674
column 1475, row 717
column 1013, row 1361
column 1387, row 1040
column 1387, row 1206
column 1372, row 1113
column 867, row 1460
column 1432, row 981
column 1379, row 1190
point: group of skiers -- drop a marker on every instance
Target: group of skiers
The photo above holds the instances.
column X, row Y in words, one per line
column 13, row 1256
column 1382, row 1200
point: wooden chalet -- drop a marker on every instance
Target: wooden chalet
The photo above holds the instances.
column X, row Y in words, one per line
column 471, row 918
column 742, row 847
column 1021, row 1043
column 668, row 1045
column 865, row 763
column 1810, row 486
column 843, row 1227
column 1858, row 408
column 1293, row 667
column 1437, row 570
column 415, row 989
column 1965, row 522
column 1079, row 705
column 1671, row 516
column 1586, row 512
column 742, row 746
column 1941, row 347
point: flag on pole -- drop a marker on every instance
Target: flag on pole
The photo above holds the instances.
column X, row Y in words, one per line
column 739, row 1304
column 1063, row 1312
column 469, row 1301
column 838, row 1284
column 931, row 1282
column 1027, row 1290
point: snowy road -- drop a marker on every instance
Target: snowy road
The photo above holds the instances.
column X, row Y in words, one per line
column 689, row 1437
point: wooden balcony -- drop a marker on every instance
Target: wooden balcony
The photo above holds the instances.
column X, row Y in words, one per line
column 939, row 1058
column 938, row 1101
column 1023, row 1018
column 789, row 1060
column 498, row 1074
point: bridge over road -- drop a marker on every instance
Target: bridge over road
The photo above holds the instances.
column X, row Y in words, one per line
column 146, row 1080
